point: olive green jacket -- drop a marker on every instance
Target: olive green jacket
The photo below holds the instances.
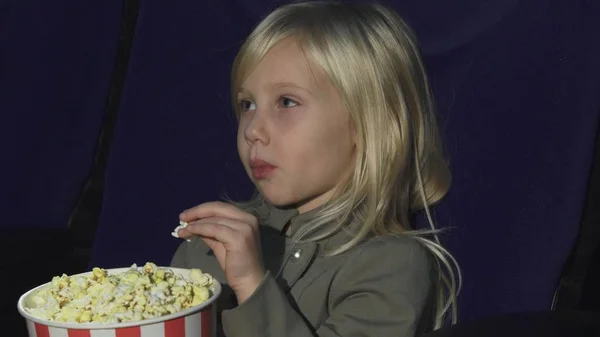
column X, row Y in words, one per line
column 382, row 287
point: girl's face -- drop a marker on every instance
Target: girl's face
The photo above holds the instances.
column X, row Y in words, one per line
column 295, row 137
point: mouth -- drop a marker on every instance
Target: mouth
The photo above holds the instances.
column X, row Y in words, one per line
column 261, row 169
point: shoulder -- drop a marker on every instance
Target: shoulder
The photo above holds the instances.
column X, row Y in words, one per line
column 394, row 274
column 389, row 261
column 402, row 251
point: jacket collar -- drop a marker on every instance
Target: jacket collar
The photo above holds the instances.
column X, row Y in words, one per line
column 278, row 218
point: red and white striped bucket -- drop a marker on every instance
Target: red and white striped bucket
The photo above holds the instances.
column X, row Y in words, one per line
column 198, row 321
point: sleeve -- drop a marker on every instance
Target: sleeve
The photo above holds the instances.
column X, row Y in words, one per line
column 382, row 291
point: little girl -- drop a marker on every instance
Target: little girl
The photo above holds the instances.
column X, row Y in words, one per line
column 337, row 132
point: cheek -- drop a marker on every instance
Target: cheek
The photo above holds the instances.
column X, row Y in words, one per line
column 337, row 152
column 322, row 157
column 242, row 145
column 242, row 124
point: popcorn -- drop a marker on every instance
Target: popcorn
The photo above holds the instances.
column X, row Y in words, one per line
column 137, row 294
column 182, row 225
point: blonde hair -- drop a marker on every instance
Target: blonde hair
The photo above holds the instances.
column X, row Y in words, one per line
column 372, row 58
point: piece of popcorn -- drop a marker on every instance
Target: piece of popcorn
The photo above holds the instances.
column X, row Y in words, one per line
column 86, row 317
column 201, row 294
column 36, row 301
column 99, row 274
column 182, row 225
column 149, row 268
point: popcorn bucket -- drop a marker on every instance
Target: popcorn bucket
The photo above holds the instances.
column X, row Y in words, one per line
column 197, row 321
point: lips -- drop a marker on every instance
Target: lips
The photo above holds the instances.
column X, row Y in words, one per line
column 261, row 169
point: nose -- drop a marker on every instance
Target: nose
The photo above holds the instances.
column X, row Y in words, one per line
column 256, row 128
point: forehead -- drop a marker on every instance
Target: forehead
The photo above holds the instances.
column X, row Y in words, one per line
column 285, row 63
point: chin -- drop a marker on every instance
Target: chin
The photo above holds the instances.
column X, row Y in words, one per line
column 276, row 198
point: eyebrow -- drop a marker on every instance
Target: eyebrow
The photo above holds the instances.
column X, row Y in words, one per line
column 279, row 85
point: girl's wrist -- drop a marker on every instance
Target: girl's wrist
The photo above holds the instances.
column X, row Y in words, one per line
column 244, row 292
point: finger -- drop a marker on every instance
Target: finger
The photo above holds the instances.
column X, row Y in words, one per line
column 238, row 227
column 217, row 248
column 210, row 242
column 233, row 223
column 217, row 209
column 224, row 234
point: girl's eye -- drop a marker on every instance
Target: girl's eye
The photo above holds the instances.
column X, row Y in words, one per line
column 246, row 105
column 288, row 102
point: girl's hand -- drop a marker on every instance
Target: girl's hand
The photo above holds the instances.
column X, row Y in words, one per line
column 233, row 236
